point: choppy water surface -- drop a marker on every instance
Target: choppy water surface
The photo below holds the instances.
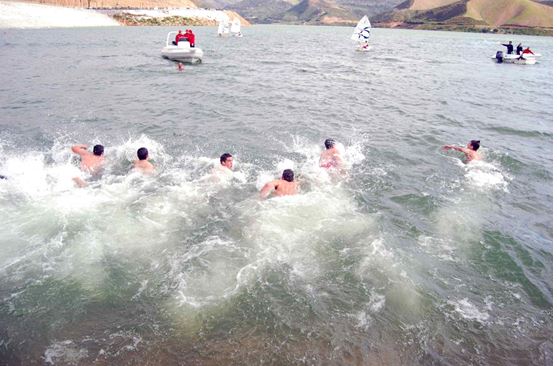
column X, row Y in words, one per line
column 414, row 258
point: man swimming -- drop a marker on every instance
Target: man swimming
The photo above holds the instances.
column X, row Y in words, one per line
column 226, row 162
column 470, row 151
column 91, row 163
column 142, row 164
column 330, row 158
column 286, row 186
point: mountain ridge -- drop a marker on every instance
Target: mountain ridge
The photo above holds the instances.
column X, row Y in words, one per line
column 521, row 16
column 508, row 16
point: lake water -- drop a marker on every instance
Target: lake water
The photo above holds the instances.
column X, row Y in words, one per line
column 412, row 258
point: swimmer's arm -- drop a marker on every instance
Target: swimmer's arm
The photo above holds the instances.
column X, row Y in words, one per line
column 80, row 149
column 450, row 147
column 267, row 188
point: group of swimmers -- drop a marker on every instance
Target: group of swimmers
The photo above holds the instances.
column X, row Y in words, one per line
column 92, row 163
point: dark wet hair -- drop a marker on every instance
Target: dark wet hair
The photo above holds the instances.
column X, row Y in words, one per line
column 475, row 144
column 288, row 175
column 98, row 150
column 329, row 143
column 142, row 153
column 223, row 157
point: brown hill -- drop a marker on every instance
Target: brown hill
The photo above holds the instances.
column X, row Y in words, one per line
column 526, row 13
column 319, row 12
column 471, row 15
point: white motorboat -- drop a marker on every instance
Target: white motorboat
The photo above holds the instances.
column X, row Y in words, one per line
column 524, row 59
column 182, row 51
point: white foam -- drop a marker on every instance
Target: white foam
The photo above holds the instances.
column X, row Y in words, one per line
column 469, row 311
column 484, row 175
column 66, row 352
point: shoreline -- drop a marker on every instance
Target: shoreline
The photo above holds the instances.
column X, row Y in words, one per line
column 24, row 15
column 21, row 15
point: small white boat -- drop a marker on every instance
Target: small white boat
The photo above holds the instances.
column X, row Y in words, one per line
column 361, row 34
column 224, row 27
column 181, row 52
column 524, row 59
column 235, row 28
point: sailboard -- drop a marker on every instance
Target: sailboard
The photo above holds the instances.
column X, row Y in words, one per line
column 362, row 32
column 235, row 27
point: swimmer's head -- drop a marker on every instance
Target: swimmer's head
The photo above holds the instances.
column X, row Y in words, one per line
column 474, row 145
column 329, row 143
column 98, row 150
column 226, row 160
column 288, row 175
column 142, row 153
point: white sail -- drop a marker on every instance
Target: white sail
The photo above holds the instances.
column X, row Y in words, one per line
column 362, row 31
column 235, row 27
column 224, row 26
column 220, row 31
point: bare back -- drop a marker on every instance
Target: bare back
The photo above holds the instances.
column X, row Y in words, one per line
column 330, row 158
column 281, row 187
column 284, row 188
column 91, row 163
column 144, row 166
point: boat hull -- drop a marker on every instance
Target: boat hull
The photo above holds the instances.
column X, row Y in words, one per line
column 183, row 54
column 516, row 59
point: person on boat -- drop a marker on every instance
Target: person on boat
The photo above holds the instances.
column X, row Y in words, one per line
column 91, row 163
column 365, row 45
column 286, row 186
column 527, row 50
column 142, row 164
column 519, row 49
column 178, row 37
column 330, row 158
column 190, row 37
column 470, row 151
column 509, row 46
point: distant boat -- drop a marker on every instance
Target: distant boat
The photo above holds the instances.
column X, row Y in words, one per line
column 182, row 51
column 361, row 34
column 235, row 28
column 224, row 28
column 523, row 59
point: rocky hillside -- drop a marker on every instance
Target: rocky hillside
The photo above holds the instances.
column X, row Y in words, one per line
column 303, row 11
column 510, row 16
